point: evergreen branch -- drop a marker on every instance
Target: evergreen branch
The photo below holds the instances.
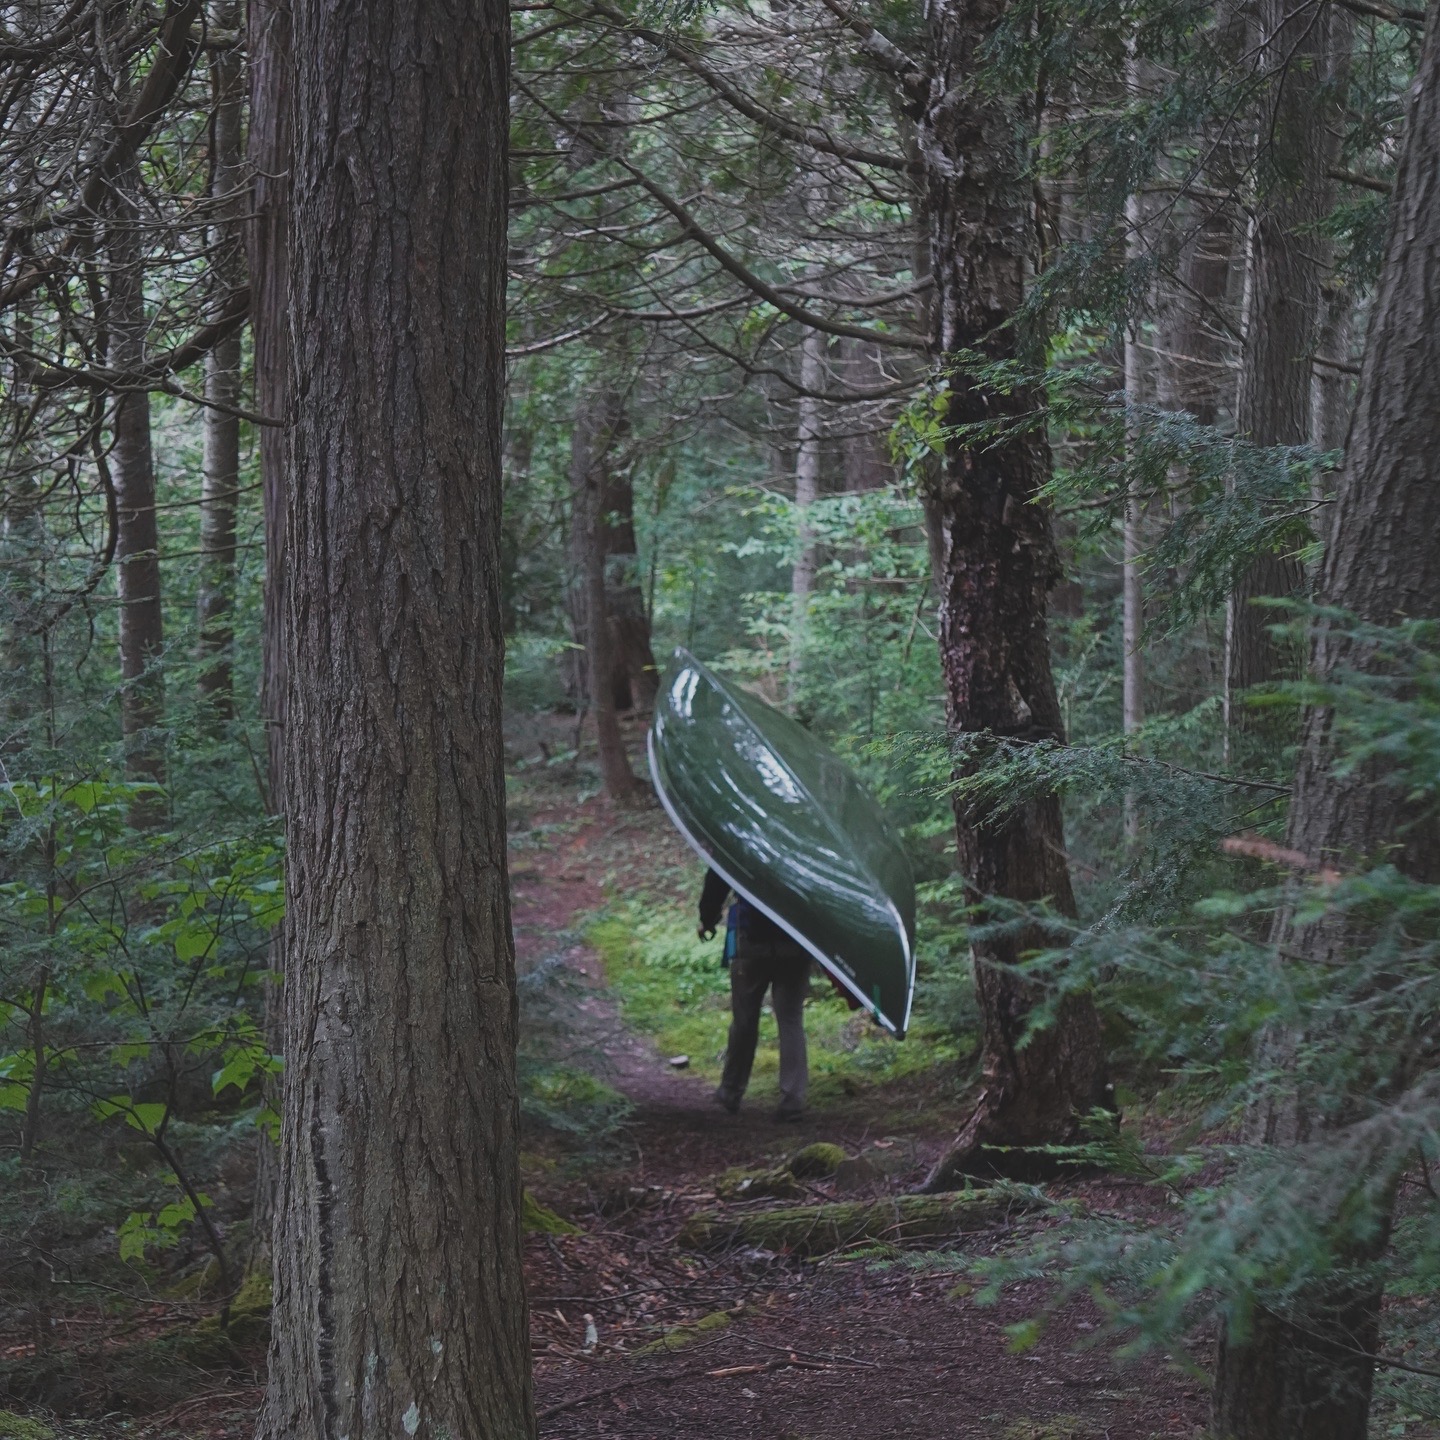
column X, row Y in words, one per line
column 552, row 342
column 728, row 262
column 736, row 98
column 1395, row 14
column 736, row 267
column 880, row 48
column 1364, row 182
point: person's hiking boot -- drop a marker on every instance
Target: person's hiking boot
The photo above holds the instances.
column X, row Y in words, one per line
column 786, row 1113
column 727, row 1102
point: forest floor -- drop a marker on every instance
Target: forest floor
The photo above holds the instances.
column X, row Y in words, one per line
column 635, row 1334
column 748, row 1341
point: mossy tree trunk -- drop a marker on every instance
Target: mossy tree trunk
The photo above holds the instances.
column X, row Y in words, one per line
column 996, row 561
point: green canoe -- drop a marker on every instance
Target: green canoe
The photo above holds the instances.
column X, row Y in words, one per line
column 783, row 819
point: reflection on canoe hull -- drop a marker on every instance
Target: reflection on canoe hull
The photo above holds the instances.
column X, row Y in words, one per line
column 786, row 822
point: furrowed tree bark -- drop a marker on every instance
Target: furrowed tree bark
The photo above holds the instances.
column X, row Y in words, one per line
column 1305, row 1373
column 141, row 623
column 1283, row 312
column 221, row 481
column 399, row 1305
column 598, row 421
column 271, row 87
column 996, row 561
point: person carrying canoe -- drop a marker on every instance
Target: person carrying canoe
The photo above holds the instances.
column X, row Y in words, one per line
column 761, row 956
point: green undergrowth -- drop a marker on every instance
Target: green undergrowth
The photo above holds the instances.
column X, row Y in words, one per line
column 17, row 1427
column 671, row 986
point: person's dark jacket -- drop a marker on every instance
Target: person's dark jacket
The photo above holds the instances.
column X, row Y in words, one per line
column 756, row 925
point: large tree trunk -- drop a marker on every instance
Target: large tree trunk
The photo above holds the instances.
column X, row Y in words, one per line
column 996, row 561
column 1283, row 311
column 221, row 478
column 399, row 1302
column 271, row 97
column 1306, row 1373
column 137, row 545
column 598, row 421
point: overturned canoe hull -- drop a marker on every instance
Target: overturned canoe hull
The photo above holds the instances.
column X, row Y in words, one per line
column 784, row 820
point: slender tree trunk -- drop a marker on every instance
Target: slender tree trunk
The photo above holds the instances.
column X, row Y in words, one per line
column 137, row 546
column 865, row 460
column 807, row 492
column 1132, row 593
column 399, row 1304
column 1132, row 603
column 1196, row 373
column 996, row 563
column 1283, row 309
column 1331, row 386
column 270, row 156
column 635, row 676
column 271, row 76
column 597, row 422
column 1303, row 1374
column 221, row 479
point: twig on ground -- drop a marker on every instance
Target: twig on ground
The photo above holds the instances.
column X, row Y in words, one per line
column 656, row 1378
column 810, row 1355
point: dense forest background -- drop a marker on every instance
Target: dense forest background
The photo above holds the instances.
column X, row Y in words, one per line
column 1032, row 400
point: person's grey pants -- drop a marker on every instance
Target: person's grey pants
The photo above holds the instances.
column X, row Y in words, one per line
column 785, row 972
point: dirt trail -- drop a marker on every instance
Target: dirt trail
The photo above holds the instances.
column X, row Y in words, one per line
column 746, row 1342
column 787, row 1349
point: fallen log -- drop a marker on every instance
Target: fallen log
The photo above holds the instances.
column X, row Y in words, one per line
column 822, row 1229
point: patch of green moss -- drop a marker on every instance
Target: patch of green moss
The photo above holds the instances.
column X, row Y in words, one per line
column 817, row 1161
column 257, row 1293
column 1057, row 1427
column 683, row 1335
column 540, row 1221
column 776, row 1184
column 200, row 1284
column 17, row 1427
column 207, row 1343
